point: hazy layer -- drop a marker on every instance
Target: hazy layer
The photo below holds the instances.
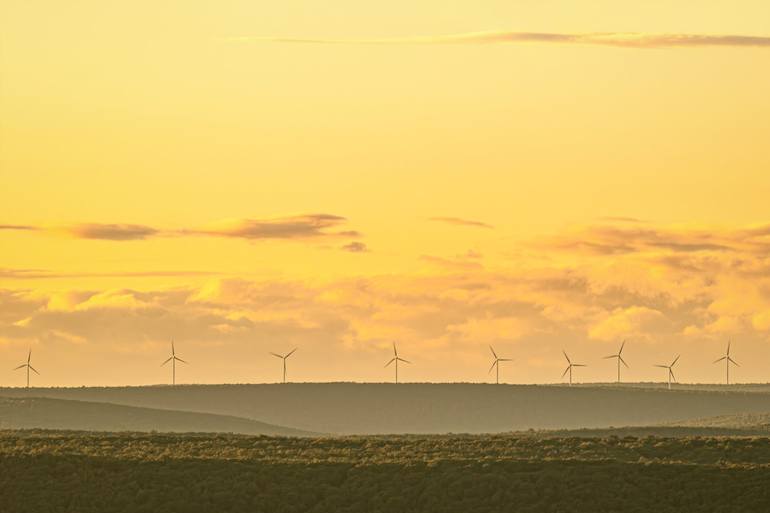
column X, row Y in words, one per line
column 352, row 408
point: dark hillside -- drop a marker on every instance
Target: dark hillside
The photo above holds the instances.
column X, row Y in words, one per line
column 35, row 412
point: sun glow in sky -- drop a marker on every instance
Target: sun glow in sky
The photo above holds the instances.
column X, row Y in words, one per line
column 181, row 169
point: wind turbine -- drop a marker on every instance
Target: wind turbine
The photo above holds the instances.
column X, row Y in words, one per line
column 728, row 361
column 569, row 367
column 619, row 356
column 283, row 357
column 173, row 359
column 28, row 366
column 670, row 370
column 396, row 359
column 496, row 365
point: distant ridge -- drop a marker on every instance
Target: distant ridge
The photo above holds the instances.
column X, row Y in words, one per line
column 46, row 413
column 424, row 408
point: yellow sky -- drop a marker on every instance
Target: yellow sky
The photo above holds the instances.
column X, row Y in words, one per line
column 171, row 178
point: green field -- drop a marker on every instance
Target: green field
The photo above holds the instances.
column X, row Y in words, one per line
column 59, row 471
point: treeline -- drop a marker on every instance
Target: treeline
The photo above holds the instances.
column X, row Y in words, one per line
column 83, row 473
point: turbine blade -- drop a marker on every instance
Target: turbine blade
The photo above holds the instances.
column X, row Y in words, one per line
column 172, row 347
column 21, row 366
column 662, row 366
column 611, row 356
column 579, row 365
column 566, row 370
column 395, row 351
column 672, row 376
column 565, row 356
column 622, row 346
column 32, row 368
column 728, row 347
column 402, row 360
column 29, row 356
column 169, row 359
column 493, row 366
column 493, row 352
column 391, row 361
column 675, row 360
column 733, row 361
column 623, row 361
column 723, row 358
column 505, row 359
column 290, row 353
column 180, row 360
column 277, row 355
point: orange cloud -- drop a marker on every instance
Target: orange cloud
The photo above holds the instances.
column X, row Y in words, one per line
column 44, row 274
column 616, row 239
column 617, row 39
column 355, row 247
column 111, row 231
column 298, row 227
column 303, row 227
column 14, row 227
column 635, row 322
column 457, row 221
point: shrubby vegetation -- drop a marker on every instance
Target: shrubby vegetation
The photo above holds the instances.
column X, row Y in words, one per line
column 101, row 472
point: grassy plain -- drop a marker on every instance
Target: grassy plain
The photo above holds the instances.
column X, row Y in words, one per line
column 56, row 471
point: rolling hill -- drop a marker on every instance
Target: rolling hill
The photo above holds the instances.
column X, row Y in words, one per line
column 378, row 408
column 46, row 413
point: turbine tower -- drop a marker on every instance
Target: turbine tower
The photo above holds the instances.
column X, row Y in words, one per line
column 569, row 367
column 28, row 367
column 728, row 361
column 173, row 359
column 283, row 357
column 496, row 365
column 396, row 359
column 670, row 371
column 619, row 357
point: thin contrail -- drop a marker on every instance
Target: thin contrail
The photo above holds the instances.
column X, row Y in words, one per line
column 617, row 39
